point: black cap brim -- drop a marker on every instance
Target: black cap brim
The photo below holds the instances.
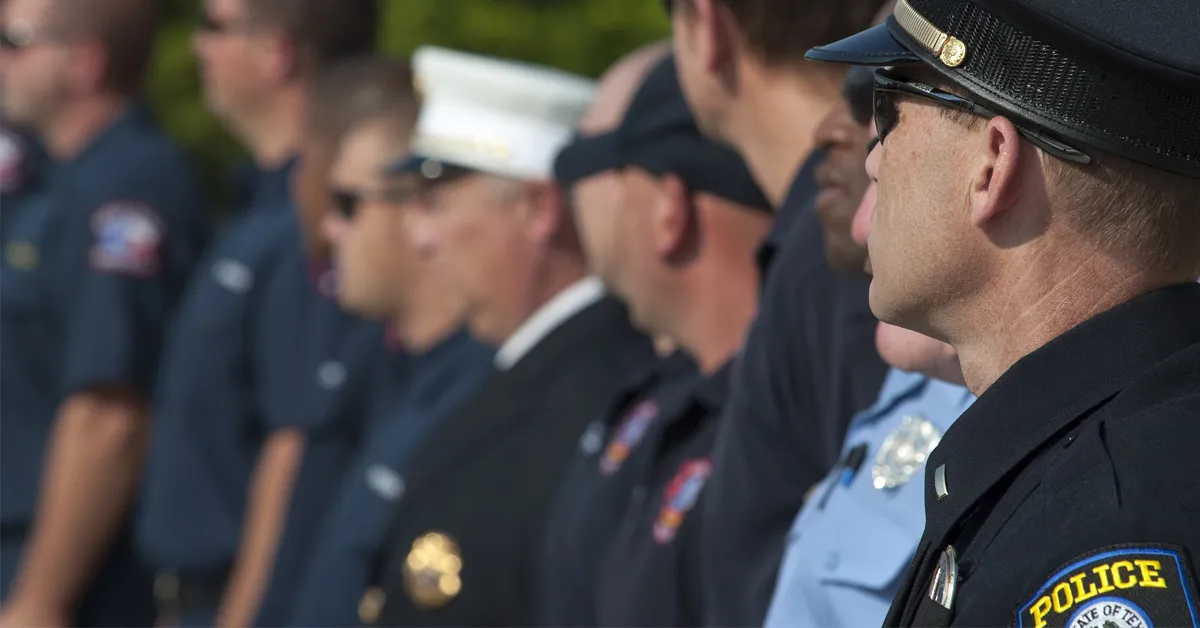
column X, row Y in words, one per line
column 874, row 47
column 586, row 156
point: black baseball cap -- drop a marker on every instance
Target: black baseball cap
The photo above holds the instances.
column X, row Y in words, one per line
column 659, row 135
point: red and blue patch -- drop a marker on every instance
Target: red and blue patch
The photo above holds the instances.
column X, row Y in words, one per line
column 632, row 430
column 680, row 497
column 128, row 236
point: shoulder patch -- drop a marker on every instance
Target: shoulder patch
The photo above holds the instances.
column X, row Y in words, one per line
column 11, row 158
column 127, row 239
column 680, row 496
column 629, row 433
column 1120, row 586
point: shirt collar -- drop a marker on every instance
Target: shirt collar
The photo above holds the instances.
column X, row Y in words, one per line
column 1044, row 393
column 556, row 311
column 800, row 193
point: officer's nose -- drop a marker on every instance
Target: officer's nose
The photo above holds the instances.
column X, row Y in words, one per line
column 860, row 229
column 333, row 227
column 422, row 230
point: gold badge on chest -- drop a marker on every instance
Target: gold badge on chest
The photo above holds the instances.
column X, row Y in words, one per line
column 22, row 255
column 431, row 571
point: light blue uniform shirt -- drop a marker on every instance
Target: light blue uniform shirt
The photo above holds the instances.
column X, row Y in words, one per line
column 851, row 542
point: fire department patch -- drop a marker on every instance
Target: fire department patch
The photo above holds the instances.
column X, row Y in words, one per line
column 631, row 431
column 127, row 238
column 1125, row 586
column 680, row 496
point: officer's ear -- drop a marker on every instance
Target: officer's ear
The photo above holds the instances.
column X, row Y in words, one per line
column 89, row 65
column 711, row 32
column 673, row 220
column 1004, row 176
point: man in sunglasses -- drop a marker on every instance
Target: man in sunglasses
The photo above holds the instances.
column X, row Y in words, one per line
column 859, row 528
column 465, row 543
column 380, row 276
column 1038, row 173
column 94, row 263
column 809, row 362
column 260, row 358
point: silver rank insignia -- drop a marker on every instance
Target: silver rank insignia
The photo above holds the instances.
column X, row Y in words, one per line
column 904, row 451
column 945, row 578
column 431, row 571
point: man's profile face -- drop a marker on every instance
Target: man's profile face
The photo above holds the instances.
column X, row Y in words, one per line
column 842, row 179
column 471, row 229
column 33, row 63
column 597, row 203
column 227, row 49
column 920, row 237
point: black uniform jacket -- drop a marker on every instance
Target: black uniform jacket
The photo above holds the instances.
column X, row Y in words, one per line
column 1069, row 494
column 465, row 543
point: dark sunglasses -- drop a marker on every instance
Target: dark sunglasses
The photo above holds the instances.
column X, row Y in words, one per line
column 887, row 113
column 347, row 202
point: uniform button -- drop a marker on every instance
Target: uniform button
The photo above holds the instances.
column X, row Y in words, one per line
column 331, row 374
column 832, row 561
column 371, row 605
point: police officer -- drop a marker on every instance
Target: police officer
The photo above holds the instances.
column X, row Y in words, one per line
column 381, row 276
column 1064, row 198
column 249, row 357
column 596, row 488
column 465, row 545
column 857, row 532
column 93, row 265
column 689, row 217
column 809, row 363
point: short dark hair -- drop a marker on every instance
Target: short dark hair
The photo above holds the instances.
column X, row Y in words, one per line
column 361, row 89
column 127, row 29
column 323, row 31
column 781, row 31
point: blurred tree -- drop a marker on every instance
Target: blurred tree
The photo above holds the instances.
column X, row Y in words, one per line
column 583, row 36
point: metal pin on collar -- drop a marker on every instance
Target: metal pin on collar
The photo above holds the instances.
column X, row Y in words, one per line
column 939, row 482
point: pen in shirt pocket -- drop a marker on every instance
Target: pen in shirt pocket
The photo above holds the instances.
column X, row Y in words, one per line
column 844, row 471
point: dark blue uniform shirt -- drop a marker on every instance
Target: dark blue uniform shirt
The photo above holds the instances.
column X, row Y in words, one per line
column 598, row 486
column 808, row 365
column 353, row 532
column 212, row 404
column 94, row 263
column 332, row 388
column 650, row 575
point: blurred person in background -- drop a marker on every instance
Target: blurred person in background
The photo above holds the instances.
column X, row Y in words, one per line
column 600, row 481
column 1038, row 177
column 382, row 277
column 93, row 266
column 464, row 547
column 688, row 217
column 23, row 167
column 254, row 357
column 809, row 361
column 852, row 540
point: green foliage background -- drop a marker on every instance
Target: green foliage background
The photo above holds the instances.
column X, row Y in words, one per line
column 584, row 36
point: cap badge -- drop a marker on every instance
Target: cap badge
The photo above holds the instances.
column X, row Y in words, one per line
column 904, row 451
column 950, row 50
column 431, row 571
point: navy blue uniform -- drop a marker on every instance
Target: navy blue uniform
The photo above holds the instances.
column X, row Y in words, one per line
column 597, row 488
column 212, row 405
column 23, row 164
column 808, row 365
column 332, row 390
column 353, row 533
column 651, row 575
column 94, row 264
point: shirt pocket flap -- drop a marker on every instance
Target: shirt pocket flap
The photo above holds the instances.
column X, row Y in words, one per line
column 879, row 538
